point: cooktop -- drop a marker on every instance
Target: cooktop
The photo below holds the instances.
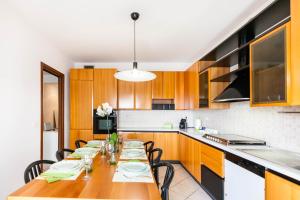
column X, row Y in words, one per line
column 232, row 139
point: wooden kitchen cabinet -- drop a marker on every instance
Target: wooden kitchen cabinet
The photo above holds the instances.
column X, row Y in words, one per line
column 125, row 95
column 278, row 188
column 163, row 86
column 81, row 99
column 274, row 73
column 190, row 155
column 213, row 159
column 157, row 86
column 168, row 142
column 143, row 95
column 85, row 135
column 105, row 87
column 168, row 85
column 179, row 91
column 191, row 87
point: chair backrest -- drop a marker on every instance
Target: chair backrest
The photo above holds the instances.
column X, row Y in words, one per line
column 156, row 159
column 167, row 180
column 35, row 169
column 148, row 147
column 77, row 143
column 60, row 154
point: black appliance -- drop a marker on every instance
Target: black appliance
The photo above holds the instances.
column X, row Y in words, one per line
column 232, row 139
column 212, row 183
column 238, row 90
column 103, row 124
column 183, row 123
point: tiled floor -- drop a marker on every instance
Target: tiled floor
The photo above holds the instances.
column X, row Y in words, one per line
column 183, row 186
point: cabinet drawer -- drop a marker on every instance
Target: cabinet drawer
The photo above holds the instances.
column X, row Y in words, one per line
column 213, row 159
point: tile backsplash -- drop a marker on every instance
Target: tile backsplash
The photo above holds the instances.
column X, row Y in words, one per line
column 280, row 130
column 153, row 118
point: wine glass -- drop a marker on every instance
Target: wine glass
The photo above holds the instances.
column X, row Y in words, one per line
column 87, row 160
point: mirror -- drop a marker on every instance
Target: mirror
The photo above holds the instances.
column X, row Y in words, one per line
column 52, row 84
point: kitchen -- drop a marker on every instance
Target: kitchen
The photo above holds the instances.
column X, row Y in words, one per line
column 226, row 124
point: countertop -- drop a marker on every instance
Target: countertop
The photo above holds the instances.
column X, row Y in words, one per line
column 234, row 149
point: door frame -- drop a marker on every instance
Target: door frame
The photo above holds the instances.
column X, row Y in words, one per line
column 61, row 88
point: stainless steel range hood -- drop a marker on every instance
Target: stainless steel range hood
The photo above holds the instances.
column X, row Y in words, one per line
column 238, row 90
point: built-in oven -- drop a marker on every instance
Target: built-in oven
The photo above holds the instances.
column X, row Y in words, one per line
column 103, row 125
column 212, row 183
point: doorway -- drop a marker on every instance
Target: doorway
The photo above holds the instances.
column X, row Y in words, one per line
column 52, row 112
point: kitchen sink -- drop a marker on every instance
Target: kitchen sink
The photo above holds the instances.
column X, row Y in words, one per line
column 278, row 156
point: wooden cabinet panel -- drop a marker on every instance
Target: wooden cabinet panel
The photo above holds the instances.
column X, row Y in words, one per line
column 168, row 85
column 105, row 87
column 163, row 87
column 278, row 188
column 81, row 108
column 213, row 159
column 191, row 79
column 143, row 95
column 85, row 135
column 295, row 50
column 168, row 142
column 125, row 95
column 100, row 136
column 179, row 91
column 197, row 159
column 81, row 74
column 145, row 136
column 157, row 86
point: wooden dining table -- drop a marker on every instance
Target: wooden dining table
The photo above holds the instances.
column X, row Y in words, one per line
column 98, row 186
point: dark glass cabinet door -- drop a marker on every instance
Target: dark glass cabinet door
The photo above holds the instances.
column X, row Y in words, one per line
column 269, row 68
column 203, row 90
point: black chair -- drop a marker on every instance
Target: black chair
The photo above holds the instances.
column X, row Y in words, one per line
column 154, row 158
column 60, row 154
column 148, row 147
column 152, row 153
column 77, row 143
column 167, row 180
column 35, row 169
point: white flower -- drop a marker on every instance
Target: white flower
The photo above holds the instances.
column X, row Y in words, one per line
column 104, row 110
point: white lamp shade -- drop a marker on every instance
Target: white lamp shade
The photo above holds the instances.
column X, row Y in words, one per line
column 135, row 75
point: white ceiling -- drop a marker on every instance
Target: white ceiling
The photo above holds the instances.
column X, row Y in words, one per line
column 168, row 31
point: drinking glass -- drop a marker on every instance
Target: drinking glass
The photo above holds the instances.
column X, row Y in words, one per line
column 87, row 160
column 103, row 148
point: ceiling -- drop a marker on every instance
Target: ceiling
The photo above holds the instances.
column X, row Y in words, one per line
column 173, row 31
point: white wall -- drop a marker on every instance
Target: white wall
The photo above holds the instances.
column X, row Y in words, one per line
column 153, row 118
column 21, row 51
column 278, row 129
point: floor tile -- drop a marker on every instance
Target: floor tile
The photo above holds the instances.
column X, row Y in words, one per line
column 199, row 194
column 183, row 186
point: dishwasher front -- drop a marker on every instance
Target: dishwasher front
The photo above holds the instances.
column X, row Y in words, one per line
column 244, row 180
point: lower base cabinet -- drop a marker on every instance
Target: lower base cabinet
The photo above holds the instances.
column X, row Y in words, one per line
column 278, row 188
column 190, row 155
column 143, row 136
column 79, row 135
column 168, row 142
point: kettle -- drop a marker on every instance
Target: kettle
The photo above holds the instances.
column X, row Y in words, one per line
column 183, row 123
column 198, row 124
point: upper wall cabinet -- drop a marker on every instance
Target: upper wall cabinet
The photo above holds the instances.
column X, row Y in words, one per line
column 125, row 95
column 191, row 87
column 272, row 78
column 143, row 95
column 105, row 87
column 81, row 99
column 163, row 87
column 179, row 91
